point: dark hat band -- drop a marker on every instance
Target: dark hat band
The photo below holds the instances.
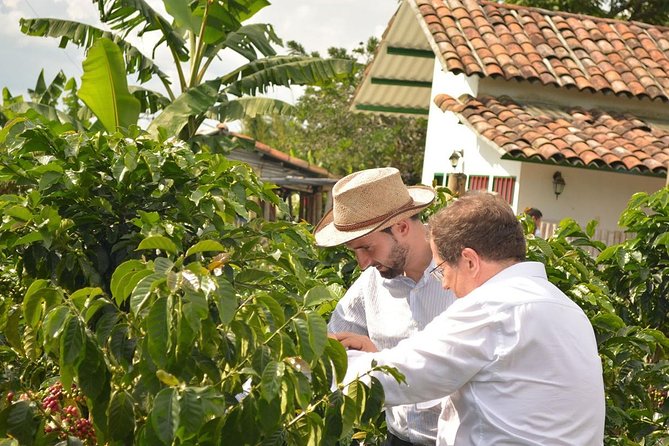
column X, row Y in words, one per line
column 371, row 221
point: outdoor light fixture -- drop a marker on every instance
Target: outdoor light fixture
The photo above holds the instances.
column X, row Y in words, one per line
column 455, row 157
column 457, row 180
column 558, row 184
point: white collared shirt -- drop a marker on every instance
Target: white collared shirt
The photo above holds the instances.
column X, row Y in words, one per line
column 388, row 311
column 518, row 358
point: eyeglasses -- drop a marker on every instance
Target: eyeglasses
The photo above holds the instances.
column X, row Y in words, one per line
column 437, row 272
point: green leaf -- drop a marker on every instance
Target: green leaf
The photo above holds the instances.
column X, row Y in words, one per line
column 191, row 414
column 93, row 378
column 250, row 107
column 104, row 88
column 129, row 282
column 302, row 331
column 374, row 401
column 258, row 75
column 19, row 421
column 54, row 322
column 226, row 301
column 118, row 281
column 19, row 213
column 662, row 239
column 32, row 301
column 205, row 245
column 317, row 295
column 71, row 342
column 182, row 15
column 333, row 425
column 164, row 416
column 29, row 238
column 83, row 297
column 121, row 416
column 162, row 265
column 192, row 102
column 105, row 325
column 318, row 333
column 158, row 242
column 11, row 329
column 39, row 298
column 272, row 377
column 337, row 354
column 142, row 292
column 275, row 309
column 158, row 323
column 247, row 40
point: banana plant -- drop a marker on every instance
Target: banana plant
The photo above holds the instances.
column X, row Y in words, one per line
column 196, row 33
column 56, row 101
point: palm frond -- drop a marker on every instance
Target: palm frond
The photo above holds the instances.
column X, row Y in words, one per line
column 84, row 35
column 257, row 76
column 126, row 15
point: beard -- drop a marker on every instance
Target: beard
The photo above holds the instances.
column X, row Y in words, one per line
column 396, row 262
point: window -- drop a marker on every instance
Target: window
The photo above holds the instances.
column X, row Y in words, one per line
column 478, row 182
column 504, row 187
column 438, row 180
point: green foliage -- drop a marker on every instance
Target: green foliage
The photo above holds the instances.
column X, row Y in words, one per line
column 104, row 88
column 324, row 131
column 631, row 334
column 636, row 269
column 84, row 203
column 648, row 11
column 145, row 291
column 210, row 349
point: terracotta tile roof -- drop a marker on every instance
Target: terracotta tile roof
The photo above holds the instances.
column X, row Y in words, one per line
column 485, row 38
column 568, row 136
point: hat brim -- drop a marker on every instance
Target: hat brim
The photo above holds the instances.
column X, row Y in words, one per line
column 327, row 235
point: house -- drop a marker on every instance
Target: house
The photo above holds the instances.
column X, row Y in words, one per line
column 563, row 112
column 305, row 188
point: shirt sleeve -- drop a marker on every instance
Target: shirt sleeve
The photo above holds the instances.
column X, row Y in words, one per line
column 350, row 314
column 437, row 361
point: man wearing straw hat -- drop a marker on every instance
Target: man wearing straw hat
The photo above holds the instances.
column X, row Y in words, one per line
column 376, row 216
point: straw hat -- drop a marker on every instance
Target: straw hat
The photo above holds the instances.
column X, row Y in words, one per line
column 368, row 201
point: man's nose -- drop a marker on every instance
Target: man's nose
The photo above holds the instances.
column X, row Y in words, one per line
column 364, row 260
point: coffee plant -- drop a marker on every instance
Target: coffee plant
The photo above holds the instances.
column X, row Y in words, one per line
column 633, row 348
column 176, row 323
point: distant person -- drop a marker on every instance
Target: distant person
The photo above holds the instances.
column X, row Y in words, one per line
column 518, row 357
column 377, row 216
column 536, row 217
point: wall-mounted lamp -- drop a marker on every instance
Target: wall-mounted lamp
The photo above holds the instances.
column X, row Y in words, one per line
column 456, row 181
column 455, row 158
column 558, row 184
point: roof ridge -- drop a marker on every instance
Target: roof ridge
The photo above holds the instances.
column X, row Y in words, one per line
column 567, row 14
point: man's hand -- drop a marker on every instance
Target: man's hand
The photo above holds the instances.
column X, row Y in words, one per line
column 355, row 341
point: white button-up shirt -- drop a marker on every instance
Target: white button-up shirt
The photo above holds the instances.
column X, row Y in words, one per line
column 518, row 358
column 388, row 311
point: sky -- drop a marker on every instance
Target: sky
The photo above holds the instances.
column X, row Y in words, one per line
column 316, row 24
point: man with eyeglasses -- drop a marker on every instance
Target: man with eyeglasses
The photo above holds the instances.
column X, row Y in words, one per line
column 518, row 357
column 376, row 215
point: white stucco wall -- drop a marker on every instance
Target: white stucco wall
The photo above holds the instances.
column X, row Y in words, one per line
column 588, row 195
column 444, row 133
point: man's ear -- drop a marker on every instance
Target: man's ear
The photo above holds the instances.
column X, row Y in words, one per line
column 402, row 227
column 471, row 261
